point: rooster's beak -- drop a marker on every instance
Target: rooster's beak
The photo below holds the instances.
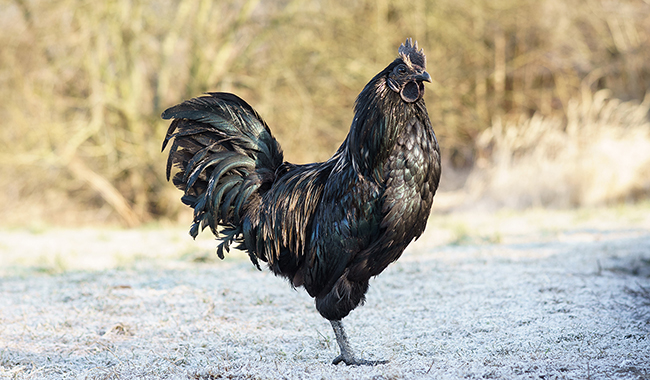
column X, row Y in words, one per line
column 425, row 77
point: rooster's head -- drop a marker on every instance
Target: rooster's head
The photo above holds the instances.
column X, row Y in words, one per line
column 409, row 72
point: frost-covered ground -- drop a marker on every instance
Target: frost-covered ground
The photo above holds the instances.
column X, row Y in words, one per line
column 552, row 295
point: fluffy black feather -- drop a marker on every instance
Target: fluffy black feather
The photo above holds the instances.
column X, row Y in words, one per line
column 327, row 226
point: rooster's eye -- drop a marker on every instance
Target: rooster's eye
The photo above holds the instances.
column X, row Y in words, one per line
column 401, row 69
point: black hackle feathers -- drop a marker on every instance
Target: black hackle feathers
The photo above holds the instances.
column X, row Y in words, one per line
column 326, row 226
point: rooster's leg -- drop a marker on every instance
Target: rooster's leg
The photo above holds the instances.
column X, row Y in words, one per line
column 347, row 356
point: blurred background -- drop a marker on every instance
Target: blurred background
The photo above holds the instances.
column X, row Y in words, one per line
column 536, row 103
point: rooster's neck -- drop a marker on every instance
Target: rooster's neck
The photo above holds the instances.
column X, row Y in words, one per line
column 380, row 116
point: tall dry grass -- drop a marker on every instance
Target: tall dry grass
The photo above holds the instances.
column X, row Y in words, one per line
column 82, row 84
column 598, row 154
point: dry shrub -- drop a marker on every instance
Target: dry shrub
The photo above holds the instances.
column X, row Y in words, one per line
column 82, row 84
column 599, row 154
column 82, row 87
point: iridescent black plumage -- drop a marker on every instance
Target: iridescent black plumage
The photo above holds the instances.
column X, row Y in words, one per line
column 327, row 226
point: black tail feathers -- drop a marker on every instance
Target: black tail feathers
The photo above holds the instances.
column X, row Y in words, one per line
column 227, row 157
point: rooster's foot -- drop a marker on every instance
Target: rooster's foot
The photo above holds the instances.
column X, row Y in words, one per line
column 349, row 360
column 346, row 352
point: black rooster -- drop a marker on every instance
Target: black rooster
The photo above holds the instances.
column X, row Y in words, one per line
column 327, row 226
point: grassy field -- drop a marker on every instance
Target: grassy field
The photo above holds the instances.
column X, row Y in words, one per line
column 539, row 294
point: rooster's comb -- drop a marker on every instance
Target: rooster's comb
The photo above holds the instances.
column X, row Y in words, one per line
column 411, row 55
